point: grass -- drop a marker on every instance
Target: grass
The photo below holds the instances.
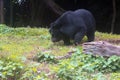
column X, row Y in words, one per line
column 20, row 43
column 107, row 36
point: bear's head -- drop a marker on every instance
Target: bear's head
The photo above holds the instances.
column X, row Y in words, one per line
column 56, row 35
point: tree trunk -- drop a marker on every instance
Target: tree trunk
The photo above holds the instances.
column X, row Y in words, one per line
column 43, row 12
column 114, row 16
column 101, row 48
column 11, row 13
column 1, row 12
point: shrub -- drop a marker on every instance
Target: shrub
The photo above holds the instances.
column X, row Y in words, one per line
column 5, row 29
column 32, row 73
column 10, row 69
column 45, row 57
column 86, row 67
column 115, row 76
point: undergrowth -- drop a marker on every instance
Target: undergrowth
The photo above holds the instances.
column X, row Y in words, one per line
column 19, row 46
column 87, row 67
column 10, row 69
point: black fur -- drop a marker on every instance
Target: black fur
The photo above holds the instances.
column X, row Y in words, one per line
column 73, row 25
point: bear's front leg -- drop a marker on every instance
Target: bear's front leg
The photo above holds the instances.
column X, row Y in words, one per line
column 66, row 41
column 79, row 36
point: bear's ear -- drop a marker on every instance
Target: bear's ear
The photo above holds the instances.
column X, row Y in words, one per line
column 52, row 25
column 55, row 25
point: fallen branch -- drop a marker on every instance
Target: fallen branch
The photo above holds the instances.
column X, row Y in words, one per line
column 101, row 48
column 68, row 55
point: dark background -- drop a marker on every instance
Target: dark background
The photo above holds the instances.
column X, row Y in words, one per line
column 43, row 12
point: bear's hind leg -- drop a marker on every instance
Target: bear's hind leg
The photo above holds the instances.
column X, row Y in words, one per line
column 91, row 36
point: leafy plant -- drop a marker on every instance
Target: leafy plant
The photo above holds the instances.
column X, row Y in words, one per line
column 10, row 69
column 115, row 76
column 81, row 64
column 5, row 29
column 44, row 57
column 98, row 63
column 32, row 73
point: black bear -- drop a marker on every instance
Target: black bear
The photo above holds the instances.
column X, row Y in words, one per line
column 73, row 25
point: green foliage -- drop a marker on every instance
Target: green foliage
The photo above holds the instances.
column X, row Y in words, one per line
column 81, row 64
column 21, row 44
column 5, row 29
column 98, row 63
column 10, row 69
column 43, row 33
column 115, row 76
column 32, row 73
column 106, row 36
column 46, row 57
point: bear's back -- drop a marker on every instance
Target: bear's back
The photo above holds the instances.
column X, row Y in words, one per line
column 87, row 17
